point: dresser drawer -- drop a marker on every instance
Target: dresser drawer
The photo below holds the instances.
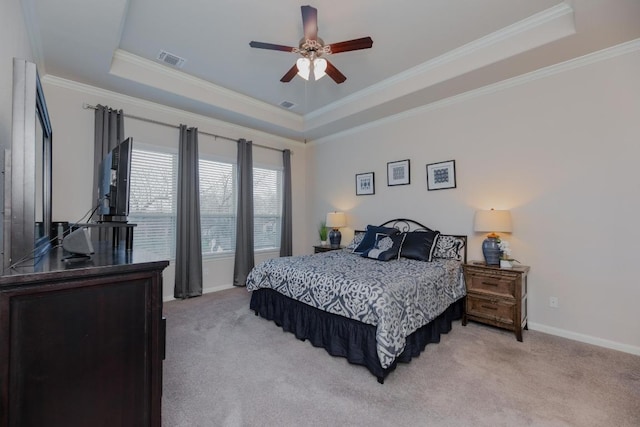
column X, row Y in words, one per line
column 496, row 309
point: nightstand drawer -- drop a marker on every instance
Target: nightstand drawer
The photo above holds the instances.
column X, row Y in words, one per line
column 496, row 309
column 326, row 248
column 496, row 285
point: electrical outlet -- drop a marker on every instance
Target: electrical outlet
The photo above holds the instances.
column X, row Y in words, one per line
column 553, row 302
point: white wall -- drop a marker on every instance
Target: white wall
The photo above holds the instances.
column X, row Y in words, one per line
column 560, row 150
column 73, row 158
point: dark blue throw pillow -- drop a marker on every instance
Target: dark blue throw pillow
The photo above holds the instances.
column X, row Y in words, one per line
column 385, row 247
column 370, row 237
column 419, row 245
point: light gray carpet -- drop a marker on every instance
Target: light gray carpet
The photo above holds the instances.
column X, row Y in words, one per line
column 227, row 367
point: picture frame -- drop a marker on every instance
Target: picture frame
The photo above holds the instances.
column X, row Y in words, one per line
column 398, row 173
column 441, row 175
column 365, row 184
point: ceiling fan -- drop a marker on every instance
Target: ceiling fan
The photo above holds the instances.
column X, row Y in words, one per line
column 312, row 49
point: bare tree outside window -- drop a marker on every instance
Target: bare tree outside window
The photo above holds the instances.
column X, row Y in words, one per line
column 153, row 204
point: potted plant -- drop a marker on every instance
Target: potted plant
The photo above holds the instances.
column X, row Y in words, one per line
column 323, row 231
column 505, row 255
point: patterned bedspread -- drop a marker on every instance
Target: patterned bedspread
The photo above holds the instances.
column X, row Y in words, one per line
column 398, row 297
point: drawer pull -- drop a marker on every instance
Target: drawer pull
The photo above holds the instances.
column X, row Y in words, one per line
column 490, row 283
column 489, row 307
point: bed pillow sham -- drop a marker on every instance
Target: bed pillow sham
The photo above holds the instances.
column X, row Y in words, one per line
column 369, row 238
column 449, row 247
column 358, row 235
column 385, row 247
column 419, row 245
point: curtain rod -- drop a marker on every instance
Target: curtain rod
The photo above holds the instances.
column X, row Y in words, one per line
column 156, row 122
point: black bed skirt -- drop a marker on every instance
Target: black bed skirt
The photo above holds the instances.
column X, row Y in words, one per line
column 340, row 336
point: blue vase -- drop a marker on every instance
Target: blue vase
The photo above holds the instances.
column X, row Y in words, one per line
column 491, row 251
column 335, row 237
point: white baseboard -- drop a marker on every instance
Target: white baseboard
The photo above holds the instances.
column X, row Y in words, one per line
column 205, row 290
column 210, row 289
column 626, row 348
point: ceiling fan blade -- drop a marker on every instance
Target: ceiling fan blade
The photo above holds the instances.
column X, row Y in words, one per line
column 290, row 74
column 334, row 73
column 271, row 46
column 310, row 22
column 356, row 44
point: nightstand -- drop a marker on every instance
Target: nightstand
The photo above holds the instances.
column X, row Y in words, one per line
column 326, row 248
column 496, row 296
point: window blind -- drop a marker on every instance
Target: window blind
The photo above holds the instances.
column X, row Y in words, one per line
column 152, row 201
column 153, row 204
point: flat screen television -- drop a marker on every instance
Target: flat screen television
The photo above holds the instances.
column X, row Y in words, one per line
column 113, row 186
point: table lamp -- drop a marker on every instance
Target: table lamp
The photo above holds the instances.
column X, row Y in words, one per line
column 492, row 221
column 335, row 220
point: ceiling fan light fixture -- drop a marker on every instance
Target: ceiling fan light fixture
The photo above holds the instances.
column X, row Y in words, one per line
column 304, row 67
column 311, row 48
column 319, row 68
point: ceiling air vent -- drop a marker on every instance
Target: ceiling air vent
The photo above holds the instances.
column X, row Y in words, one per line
column 288, row 105
column 171, row 59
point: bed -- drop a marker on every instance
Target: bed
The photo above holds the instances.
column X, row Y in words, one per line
column 396, row 287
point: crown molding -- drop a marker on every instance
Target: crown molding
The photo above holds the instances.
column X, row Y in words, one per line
column 532, row 27
column 132, row 67
column 582, row 61
column 163, row 109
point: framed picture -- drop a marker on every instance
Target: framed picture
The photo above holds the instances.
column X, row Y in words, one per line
column 398, row 173
column 365, row 184
column 441, row 175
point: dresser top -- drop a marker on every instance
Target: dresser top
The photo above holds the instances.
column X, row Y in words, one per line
column 106, row 260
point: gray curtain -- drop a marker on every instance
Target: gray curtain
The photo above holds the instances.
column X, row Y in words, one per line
column 244, row 261
column 188, row 236
column 286, row 238
column 108, row 132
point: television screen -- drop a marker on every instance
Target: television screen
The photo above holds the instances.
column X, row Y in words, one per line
column 113, row 186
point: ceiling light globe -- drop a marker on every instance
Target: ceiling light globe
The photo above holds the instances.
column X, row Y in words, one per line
column 304, row 67
column 319, row 68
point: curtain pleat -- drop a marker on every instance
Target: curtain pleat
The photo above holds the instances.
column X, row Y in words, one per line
column 286, row 235
column 108, row 132
column 244, row 260
column 188, row 236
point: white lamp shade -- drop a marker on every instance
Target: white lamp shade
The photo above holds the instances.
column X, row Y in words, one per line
column 336, row 220
column 492, row 221
column 304, row 67
column 319, row 68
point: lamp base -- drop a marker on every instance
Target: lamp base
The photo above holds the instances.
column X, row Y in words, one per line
column 335, row 237
column 491, row 251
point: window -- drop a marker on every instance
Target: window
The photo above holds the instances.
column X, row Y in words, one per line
column 153, row 204
column 217, row 207
column 267, row 208
column 152, row 201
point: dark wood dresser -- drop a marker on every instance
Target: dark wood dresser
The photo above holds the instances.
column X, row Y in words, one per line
column 82, row 344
